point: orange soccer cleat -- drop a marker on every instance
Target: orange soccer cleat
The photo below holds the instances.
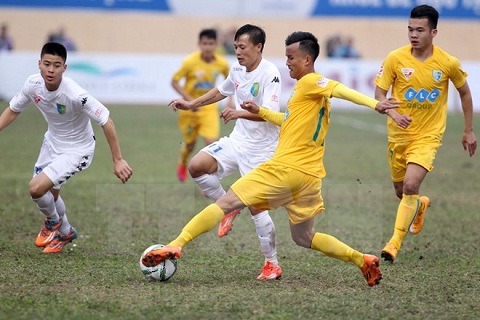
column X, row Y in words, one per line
column 227, row 223
column 371, row 270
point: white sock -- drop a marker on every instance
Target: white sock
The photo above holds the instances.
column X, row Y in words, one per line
column 266, row 234
column 46, row 204
column 210, row 185
column 61, row 210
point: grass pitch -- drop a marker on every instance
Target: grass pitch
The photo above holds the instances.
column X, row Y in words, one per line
column 436, row 275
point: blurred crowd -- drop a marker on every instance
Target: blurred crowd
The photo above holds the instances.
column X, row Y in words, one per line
column 336, row 46
column 7, row 43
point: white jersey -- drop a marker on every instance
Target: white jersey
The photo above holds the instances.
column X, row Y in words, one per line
column 67, row 110
column 263, row 86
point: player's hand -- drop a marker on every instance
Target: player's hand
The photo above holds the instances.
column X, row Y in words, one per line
column 181, row 104
column 122, row 170
column 387, row 104
column 250, row 106
column 228, row 114
column 402, row 120
column 469, row 142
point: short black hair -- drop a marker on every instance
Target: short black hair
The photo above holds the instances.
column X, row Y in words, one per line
column 255, row 34
column 54, row 48
column 208, row 33
column 426, row 11
column 308, row 43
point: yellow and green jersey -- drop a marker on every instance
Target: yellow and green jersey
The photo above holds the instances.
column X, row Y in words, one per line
column 305, row 125
column 422, row 89
column 200, row 76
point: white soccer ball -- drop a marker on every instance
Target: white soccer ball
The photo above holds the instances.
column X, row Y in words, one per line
column 161, row 272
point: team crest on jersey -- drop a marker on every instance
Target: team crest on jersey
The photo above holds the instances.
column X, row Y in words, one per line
column 61, row 108
column 254, row 89
column 407, row 72
column 437, row 75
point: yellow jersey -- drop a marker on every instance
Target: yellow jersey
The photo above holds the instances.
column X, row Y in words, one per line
column 200, row 76
column 421, row 88
column 301, row 142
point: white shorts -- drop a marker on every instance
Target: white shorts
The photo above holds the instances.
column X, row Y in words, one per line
column 59, row 167
column 231, row 158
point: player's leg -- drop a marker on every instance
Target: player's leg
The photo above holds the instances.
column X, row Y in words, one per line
column 265, row 229
column 39, row 188
column 307, row 202
column 409, row 206
column 62, row 212
column 304, row 236
column 244, row 192
column 59, row 171
column 213, row 163
column 66, row 233
column 246, row 161
column 202, row 169
column 188, row 127
column 409, row 164
column 203, row 222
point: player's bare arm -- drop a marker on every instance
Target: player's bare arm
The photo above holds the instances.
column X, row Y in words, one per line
column 266, row 114
column 7, row 117
column 229, row 114
column 181, row 91
column 469, row 140
column 120, row 167
column 250, row 106
column 210, row 97
column 402, row 120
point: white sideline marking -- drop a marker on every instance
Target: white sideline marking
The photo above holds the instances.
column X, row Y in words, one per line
column 360, row 124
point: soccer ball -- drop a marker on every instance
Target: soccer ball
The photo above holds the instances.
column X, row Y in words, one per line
column 161, row 272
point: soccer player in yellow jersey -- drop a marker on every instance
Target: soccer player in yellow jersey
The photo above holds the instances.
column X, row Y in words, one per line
column 292, row 178
column 200, row 71
column 418, row 75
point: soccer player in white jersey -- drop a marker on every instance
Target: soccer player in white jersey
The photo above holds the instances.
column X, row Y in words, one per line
column 252, row 141
column 69, row 142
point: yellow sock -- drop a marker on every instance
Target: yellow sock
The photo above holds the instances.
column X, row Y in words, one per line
column 203, row 222
column 405, row 213
column 184, row 154
column 333, row 247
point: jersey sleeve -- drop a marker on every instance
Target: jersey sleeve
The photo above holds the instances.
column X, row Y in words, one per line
column 182, row 71
column 21, row 100
column 320, row 86
column 457, row 75
column 271, row 91
column 227, row 87
column 95, row 109
column 386, row 74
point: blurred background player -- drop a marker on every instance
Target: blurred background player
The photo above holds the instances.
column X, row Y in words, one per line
column 419, row 75
column 6, row 42
column 69, row 142
column 60, row 36
column 199, row 71
column 252, row 141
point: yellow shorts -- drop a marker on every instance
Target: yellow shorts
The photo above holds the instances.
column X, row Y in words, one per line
column 271, row 185
column 421, row 152
column 205, row 123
